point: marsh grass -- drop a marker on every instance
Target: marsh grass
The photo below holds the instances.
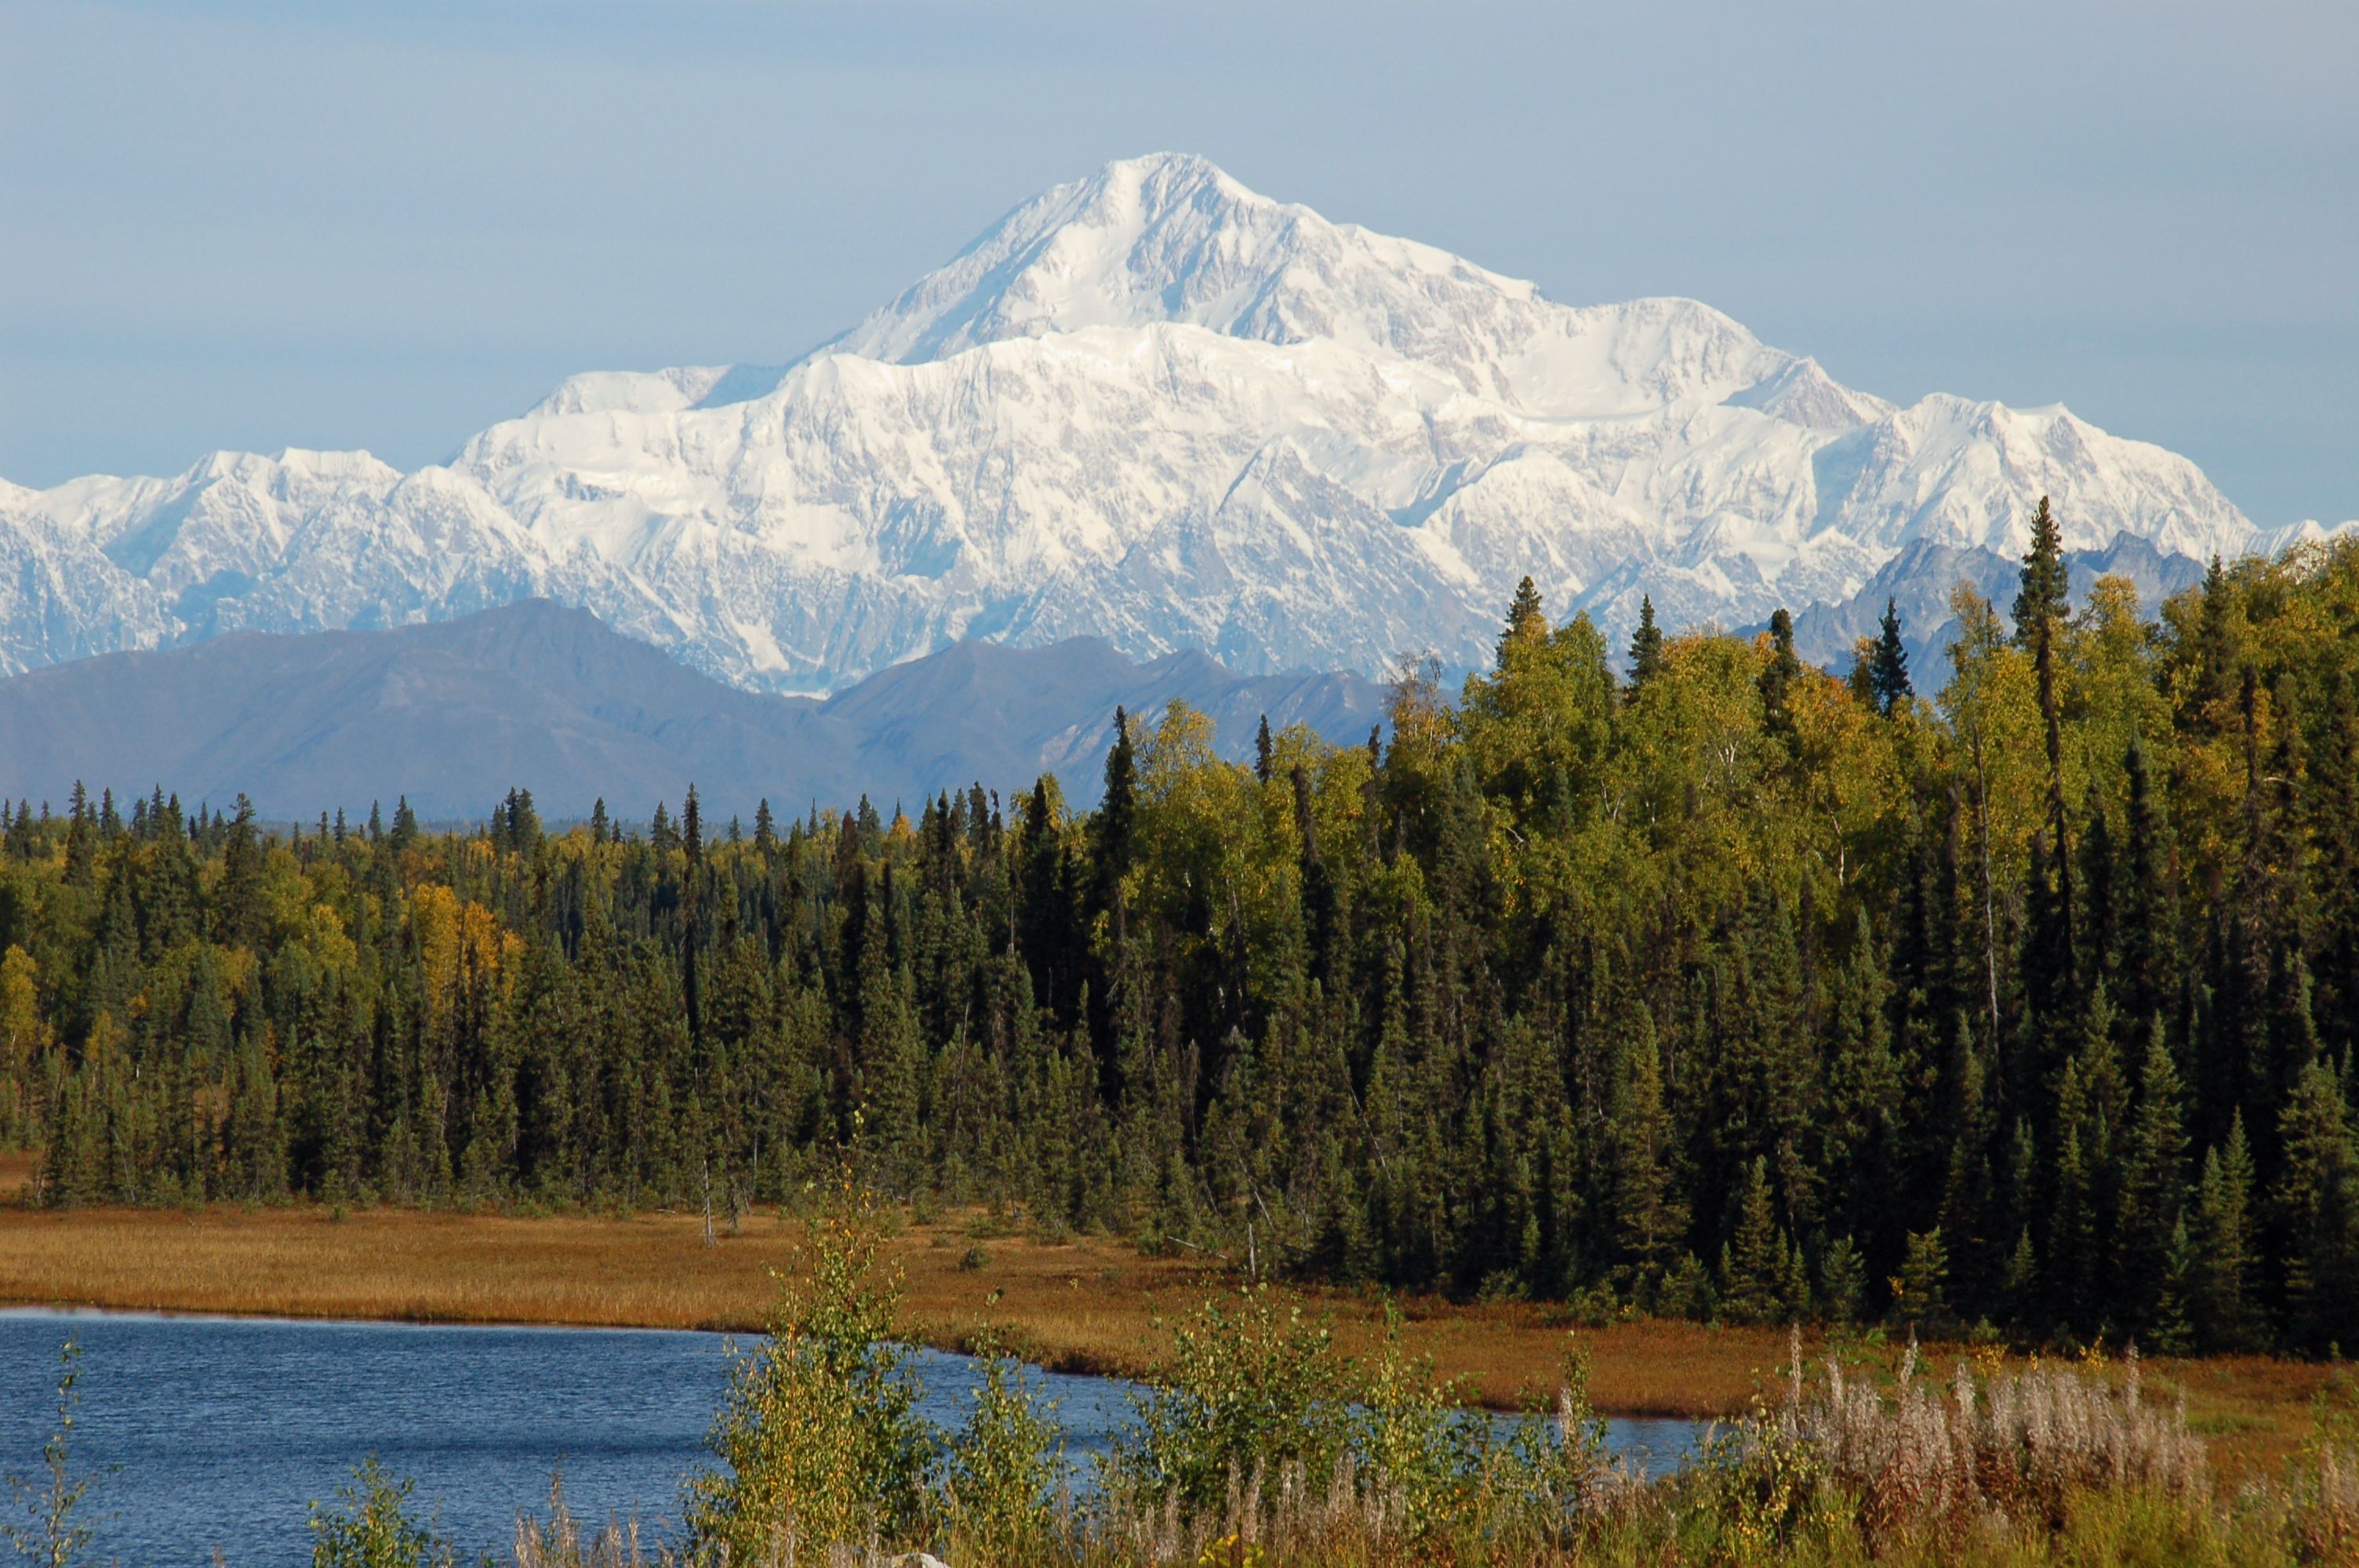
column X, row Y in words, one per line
column 2018, row 1448
column 562, row 1540
column 1083, row 1303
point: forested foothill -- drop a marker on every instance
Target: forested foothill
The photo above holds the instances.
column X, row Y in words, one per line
column 1682, row 978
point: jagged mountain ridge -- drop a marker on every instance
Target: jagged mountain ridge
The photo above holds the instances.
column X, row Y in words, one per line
column 1152, row 407
column 453, row 714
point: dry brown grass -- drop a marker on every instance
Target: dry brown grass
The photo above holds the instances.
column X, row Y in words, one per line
column 1089, row 1305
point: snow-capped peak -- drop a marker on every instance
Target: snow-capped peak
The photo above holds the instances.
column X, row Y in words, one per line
column 1151, row 405
column 1172, row 238
column 1168, row 237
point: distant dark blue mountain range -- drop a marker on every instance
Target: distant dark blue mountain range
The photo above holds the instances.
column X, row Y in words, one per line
column 453, row 715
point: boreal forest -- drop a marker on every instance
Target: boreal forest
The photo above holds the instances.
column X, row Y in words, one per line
column 2018, row 995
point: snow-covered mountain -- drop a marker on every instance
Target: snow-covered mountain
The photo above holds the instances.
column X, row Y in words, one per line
column 1153, row 407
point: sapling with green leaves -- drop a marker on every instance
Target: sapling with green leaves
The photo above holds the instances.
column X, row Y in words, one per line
column 370, row 1526
column 819, row 1439
column 1005, row 1468
column 55, row 1530
column 1250, row 1387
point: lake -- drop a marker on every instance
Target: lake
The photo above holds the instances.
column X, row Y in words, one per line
column 226, row 1429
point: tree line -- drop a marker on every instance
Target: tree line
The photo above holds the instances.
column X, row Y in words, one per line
column 1685, row 978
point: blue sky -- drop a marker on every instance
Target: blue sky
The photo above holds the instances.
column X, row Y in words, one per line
column 254, row 226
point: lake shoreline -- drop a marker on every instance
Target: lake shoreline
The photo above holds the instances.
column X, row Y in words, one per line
column 1085, row 1305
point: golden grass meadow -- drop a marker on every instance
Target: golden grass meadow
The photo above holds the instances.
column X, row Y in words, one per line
column 1083, row 1305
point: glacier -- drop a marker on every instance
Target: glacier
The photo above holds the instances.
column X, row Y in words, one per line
column 1152, row 407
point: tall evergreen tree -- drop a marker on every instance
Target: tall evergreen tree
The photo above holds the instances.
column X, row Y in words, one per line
column 2317, row 1205
column 1778, row 676
column 2333, row 823
column 1646, row 647
column 2042, row 600
column 2215, row 657
column 2153, row 1194
column 240, row 901
column 2220, row 1294
column 1754, row 1266
column 1114, row 831
column 1527, row 621
column 2149, row 921
column 2053, row 981
column 1889, row 668
column 1649, row 1220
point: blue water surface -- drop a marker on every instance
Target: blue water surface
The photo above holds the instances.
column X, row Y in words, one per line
column 226, row 1429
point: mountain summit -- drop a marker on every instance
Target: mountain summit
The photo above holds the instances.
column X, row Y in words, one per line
column 1152, row 407
column 1172, row 239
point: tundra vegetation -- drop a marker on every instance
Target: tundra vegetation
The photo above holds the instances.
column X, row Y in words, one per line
column 2017, row 1000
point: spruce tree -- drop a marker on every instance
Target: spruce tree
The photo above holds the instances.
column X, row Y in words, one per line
column 2170, row 1329
column 1318, row 901
column 1646, row 647
column 2214, row 656
column 2041, row 606
column 1047, row 919
column 1649, row 1220
column 2099, row 938
column 525, row 825
column 1783, row 669
column 81, row 848
column 1924, row 1298
column 2043, row 599
column 2153, row 1188
column 2220, row 1295
column 1753, row 1269
column 1526, row 623
column 1113, row 831
column 2317, row 1205
column 1888, row 665
column 2148, row 919
column 2334, row 814
column 1843, row 1282
column 238, row 905
column 2021, row 1285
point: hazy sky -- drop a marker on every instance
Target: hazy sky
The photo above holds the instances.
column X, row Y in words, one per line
column 255, row 225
